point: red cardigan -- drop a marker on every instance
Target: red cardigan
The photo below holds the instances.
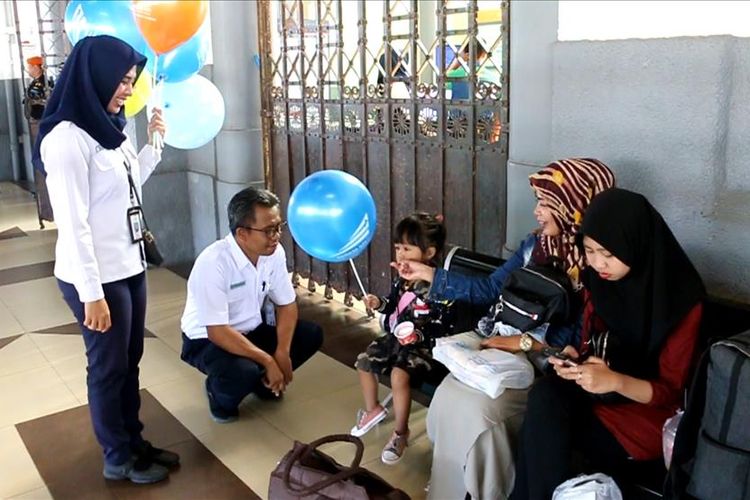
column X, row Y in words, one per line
column 637, row 426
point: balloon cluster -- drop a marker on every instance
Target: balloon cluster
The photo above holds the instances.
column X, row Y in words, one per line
column 175, row 37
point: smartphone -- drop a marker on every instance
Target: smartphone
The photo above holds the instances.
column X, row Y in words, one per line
column 548, row 351
column 557, row 352
column 568, row 360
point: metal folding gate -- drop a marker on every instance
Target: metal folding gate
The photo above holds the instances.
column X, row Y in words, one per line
column 408, row 96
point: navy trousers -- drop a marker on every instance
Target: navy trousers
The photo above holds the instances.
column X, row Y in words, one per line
column 232, row 377
column 113, row 358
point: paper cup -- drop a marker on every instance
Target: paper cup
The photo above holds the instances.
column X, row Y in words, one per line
column 405, row 333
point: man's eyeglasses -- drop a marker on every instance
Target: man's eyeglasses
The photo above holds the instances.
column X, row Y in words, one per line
column 270, row 231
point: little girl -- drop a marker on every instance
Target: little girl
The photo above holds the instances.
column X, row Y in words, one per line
column 411, row 324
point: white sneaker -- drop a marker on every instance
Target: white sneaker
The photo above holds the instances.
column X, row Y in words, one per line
column 366, row 420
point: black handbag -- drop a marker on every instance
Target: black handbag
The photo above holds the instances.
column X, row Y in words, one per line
column 150, row 249
column 534, row 295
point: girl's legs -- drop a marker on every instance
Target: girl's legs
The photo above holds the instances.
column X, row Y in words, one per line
column 369, row 384
column 401, row 399
column 395, row 447
column 374, row 412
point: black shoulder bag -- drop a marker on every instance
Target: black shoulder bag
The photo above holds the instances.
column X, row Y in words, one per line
column 534, row 295
column 150, row 250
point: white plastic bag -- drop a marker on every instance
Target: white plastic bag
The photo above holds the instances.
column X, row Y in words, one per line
column 592, row 487
column 488, row 370
column 668, row 433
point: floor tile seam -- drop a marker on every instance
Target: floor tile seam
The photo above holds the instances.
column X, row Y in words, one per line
column 156, row 324
column 241, row 467
column 164, row 343
column 26, row 492
column 35, row 368
column 51, row 411
column 36, row 343
column 309, row 398
column 12, row 314
column 52, row 277
column 176, row 351
column 275, row 426
column 32, row 263
column 28, row 369
column 70, row 389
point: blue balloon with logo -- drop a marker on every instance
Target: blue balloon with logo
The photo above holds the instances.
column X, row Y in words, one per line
column 332, row 216
column 104, row 17
column 186, row 60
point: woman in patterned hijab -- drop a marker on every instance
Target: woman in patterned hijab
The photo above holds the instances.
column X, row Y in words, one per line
column 565, row 188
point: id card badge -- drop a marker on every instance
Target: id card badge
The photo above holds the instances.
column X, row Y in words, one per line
column 135, row 223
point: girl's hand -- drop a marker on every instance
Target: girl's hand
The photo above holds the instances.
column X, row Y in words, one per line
column 96, row 316
column 595, row 376
column 371, row 301
column 510, row 343
column 411, row 270
column 156, row 125
column 565, row 369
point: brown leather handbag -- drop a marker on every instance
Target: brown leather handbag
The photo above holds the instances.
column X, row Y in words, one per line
column 306, row 473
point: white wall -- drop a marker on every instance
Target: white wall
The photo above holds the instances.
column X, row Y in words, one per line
column 622, row 19
column 670, row 116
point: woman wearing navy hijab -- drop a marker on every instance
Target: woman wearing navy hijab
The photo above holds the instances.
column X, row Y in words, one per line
column 99, row 262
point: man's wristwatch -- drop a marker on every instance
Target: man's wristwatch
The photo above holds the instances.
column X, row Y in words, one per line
column 527, row 342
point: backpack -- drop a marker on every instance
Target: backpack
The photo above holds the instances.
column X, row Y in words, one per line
column 711, row 456
column 534, row 295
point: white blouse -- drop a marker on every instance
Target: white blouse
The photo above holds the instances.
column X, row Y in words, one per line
column 90, row 195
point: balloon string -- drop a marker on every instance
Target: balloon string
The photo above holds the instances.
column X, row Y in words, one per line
column 359, row 281
column 156, row 138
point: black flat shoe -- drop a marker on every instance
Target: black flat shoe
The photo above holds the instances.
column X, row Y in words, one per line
column 156, row 455
column 266, row 394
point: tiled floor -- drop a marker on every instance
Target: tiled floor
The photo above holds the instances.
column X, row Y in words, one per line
column 42, row 388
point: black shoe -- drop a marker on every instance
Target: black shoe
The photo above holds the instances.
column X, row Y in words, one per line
column 266, row 394
column 156, row 455
column 138, row 471
column 218, row 414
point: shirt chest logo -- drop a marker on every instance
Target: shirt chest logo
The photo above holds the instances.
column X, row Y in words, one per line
column 232, row 286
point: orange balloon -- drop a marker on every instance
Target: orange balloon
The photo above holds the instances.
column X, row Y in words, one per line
column 166, row 24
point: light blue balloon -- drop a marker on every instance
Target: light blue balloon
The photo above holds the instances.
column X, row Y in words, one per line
column 332, row 216
column 193, row 112
column 109, row 17
column 184, row 61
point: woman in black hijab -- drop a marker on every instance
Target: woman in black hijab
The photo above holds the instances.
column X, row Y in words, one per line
column 99, row 264
column 640, row 330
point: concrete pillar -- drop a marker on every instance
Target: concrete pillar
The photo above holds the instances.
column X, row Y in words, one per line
column 533, row 32
column 239, row 145
column 234, row 159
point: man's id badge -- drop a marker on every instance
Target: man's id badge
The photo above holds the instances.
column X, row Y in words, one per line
column 135, row 223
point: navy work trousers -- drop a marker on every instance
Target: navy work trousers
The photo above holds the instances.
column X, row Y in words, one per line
column 232, row 377
column 112, row 372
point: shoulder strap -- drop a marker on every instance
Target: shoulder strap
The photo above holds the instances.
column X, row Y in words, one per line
column 686, row 439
